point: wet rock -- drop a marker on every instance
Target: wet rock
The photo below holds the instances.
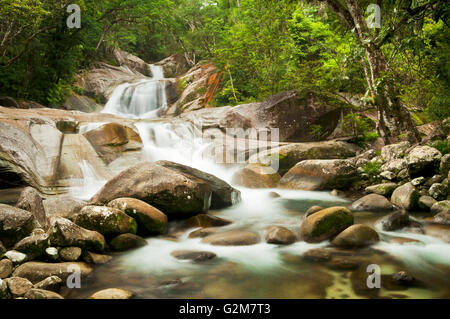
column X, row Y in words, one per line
column 402, row 240
column 68, row 126
column 317, row 255
column 395, row 221
column 6, row 268
column 150, row 220
column 52, row 253
column 42, row 294
column 356, row 236
column 313, row 210
column 405, row 196
column 256, row 175
column 196, row 256
column 113, row 139
column 385, row 189
column 64, row 233
column 52, row 283
column 168, row 190
column 65, row 206
column 70, row 253
column 403, row 278
column 325, row 224
column 203, row 232
column 205, row 220
column 320, row 175
column 438, row 191
column 112, row 293
column 16, row 257
column 127, row 241
column 38, row 271
column 388, row 175
column 426, row 202
column 394, row 151
column 30, row 200
column 274, row 195
column 280, row 236
column 33, row 246
column 105, row 220
column 372, row 203
column 423, row 160
column 94, row 258
column 15, row 224
column 18, row 286
column 344, row 263
column 232, row 238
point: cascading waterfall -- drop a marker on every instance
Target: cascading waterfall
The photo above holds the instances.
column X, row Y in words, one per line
column 142, row 99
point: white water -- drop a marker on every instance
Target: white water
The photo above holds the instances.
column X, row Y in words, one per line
column 180, row 142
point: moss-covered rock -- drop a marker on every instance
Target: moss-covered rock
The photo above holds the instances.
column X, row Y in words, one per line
column 384, row 189
column 326, row 224
column 150, row 220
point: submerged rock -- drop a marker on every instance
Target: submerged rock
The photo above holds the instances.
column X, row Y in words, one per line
column 232, row 238
column 395, row 221
column 105, row 220
column 196, row 256
column 372, row 203
column 356, row 236
column 325, row 224
column 150, row 220
column 203, row 232
column 320, row 175
column 405, row 196
column 205, row 220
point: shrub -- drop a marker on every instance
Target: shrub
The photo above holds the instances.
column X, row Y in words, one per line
column 442, row 146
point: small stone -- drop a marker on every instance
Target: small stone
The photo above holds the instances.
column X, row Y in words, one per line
column 18, row 286
column 52, row 253
column 388, row 175
column 196, row 256
column 70, row 253
column 112, row 293
column 418, row 181
column 16, row 257
column 6, row 268
column 42, row 294
column 343, row 263
column 52, row 283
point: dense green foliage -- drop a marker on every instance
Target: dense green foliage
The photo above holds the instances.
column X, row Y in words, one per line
column 262, row 47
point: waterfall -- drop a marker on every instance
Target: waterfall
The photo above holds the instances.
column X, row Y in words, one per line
column 142, row 99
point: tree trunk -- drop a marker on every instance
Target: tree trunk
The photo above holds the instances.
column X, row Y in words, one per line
column 393, row 118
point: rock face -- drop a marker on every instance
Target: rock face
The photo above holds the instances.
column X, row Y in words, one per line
column 405, row 196
column 280, row 236
column 15, row 224
column 127, row 241
column 150, row 220
column 107, row 221
column 112, row 293
column 325, row 224
column 385, row 189
column 38, row 271
column 319, row 175
column 112, row 139
column 196, row 256
column 372, row 203
column 423, row 161
column 232, row 238
column 30, row 200
column 356, row 236
column 64, row 233
column 257, row 176
column 65, row 206
column 173, row 191
column 205, row 220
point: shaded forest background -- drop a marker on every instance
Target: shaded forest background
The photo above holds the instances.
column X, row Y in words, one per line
column 261, row 47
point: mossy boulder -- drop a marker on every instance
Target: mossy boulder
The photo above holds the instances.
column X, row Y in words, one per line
column 107, row 221
column 326, row 224
column 150, row 220
column 356, row 236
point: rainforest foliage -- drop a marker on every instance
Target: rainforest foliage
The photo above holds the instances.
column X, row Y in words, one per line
column 261, row 47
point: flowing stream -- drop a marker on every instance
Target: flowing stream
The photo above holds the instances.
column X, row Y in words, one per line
column 257, row 271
